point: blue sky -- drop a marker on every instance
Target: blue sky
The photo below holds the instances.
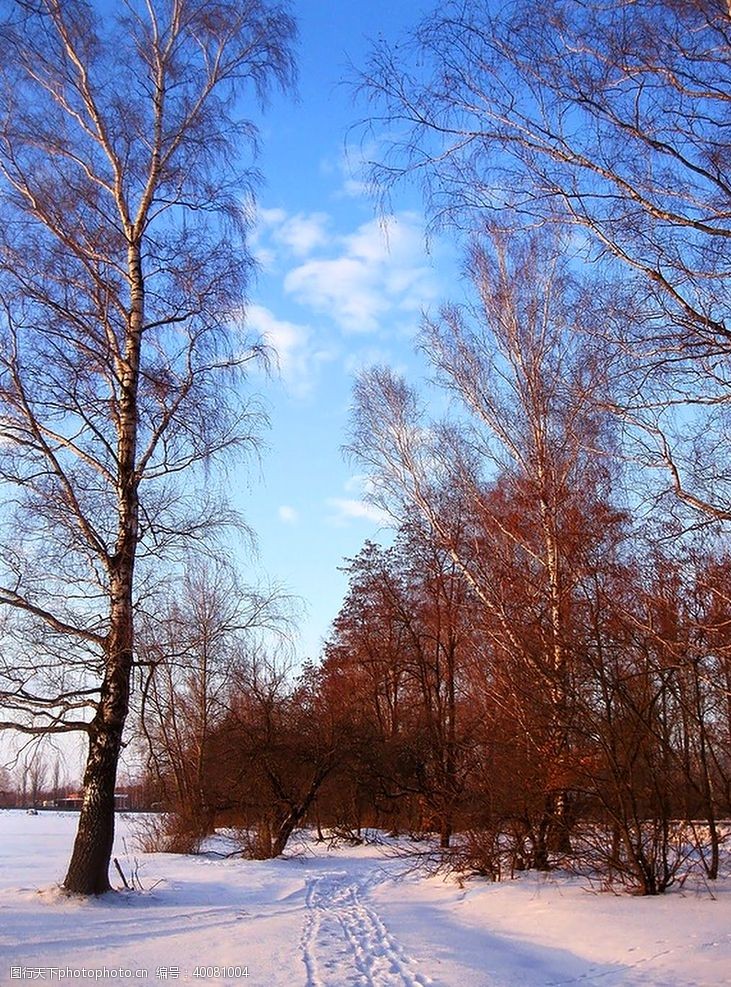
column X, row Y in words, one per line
column 338, row 289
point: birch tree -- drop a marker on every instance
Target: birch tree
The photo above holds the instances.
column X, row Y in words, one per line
column 613, row 117
column 525, row 457
column 125, row 164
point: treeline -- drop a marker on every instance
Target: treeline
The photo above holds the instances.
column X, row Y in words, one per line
column 434, row 715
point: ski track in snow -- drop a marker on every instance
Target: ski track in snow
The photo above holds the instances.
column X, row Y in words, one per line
column 346, row 944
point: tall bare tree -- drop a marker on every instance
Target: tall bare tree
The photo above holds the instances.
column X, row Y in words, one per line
column 124, row 171
column 524, row 459
column 614, row 117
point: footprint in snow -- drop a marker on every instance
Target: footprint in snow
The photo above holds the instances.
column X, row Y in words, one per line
column 345, row 942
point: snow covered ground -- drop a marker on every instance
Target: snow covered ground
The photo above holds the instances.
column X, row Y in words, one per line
column 352, row 916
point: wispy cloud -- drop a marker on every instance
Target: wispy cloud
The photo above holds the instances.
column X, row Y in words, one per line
column 297, row 355
column 303, row 234
column 378, row 272
column 342, row 287
column 351, row 168
column 344, row 510
column 300, row 233
column 288, row 514
column 368, row 284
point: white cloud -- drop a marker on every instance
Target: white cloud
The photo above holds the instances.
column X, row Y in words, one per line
column 299, row 234
column 346, row 509
column 374, row 273
column 351, row 168
column 266, row 220
column 298, row 358
column 303, row 234
column 270, row 217
column 288, row 514
column 344, row 287
column 356, row 507
column 264, row 257
column 358, row 483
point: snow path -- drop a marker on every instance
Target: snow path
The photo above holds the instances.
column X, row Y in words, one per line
column 341, row 917
column 345, row 942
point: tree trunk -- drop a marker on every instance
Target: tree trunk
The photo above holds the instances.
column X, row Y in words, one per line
column 541, row 860
column 295, row 815
column 284, row 830
column 88, row 871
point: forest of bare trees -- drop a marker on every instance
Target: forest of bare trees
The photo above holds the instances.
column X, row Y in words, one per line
column 536, row 669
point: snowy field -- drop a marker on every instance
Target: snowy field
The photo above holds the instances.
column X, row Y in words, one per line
column 337, row 919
